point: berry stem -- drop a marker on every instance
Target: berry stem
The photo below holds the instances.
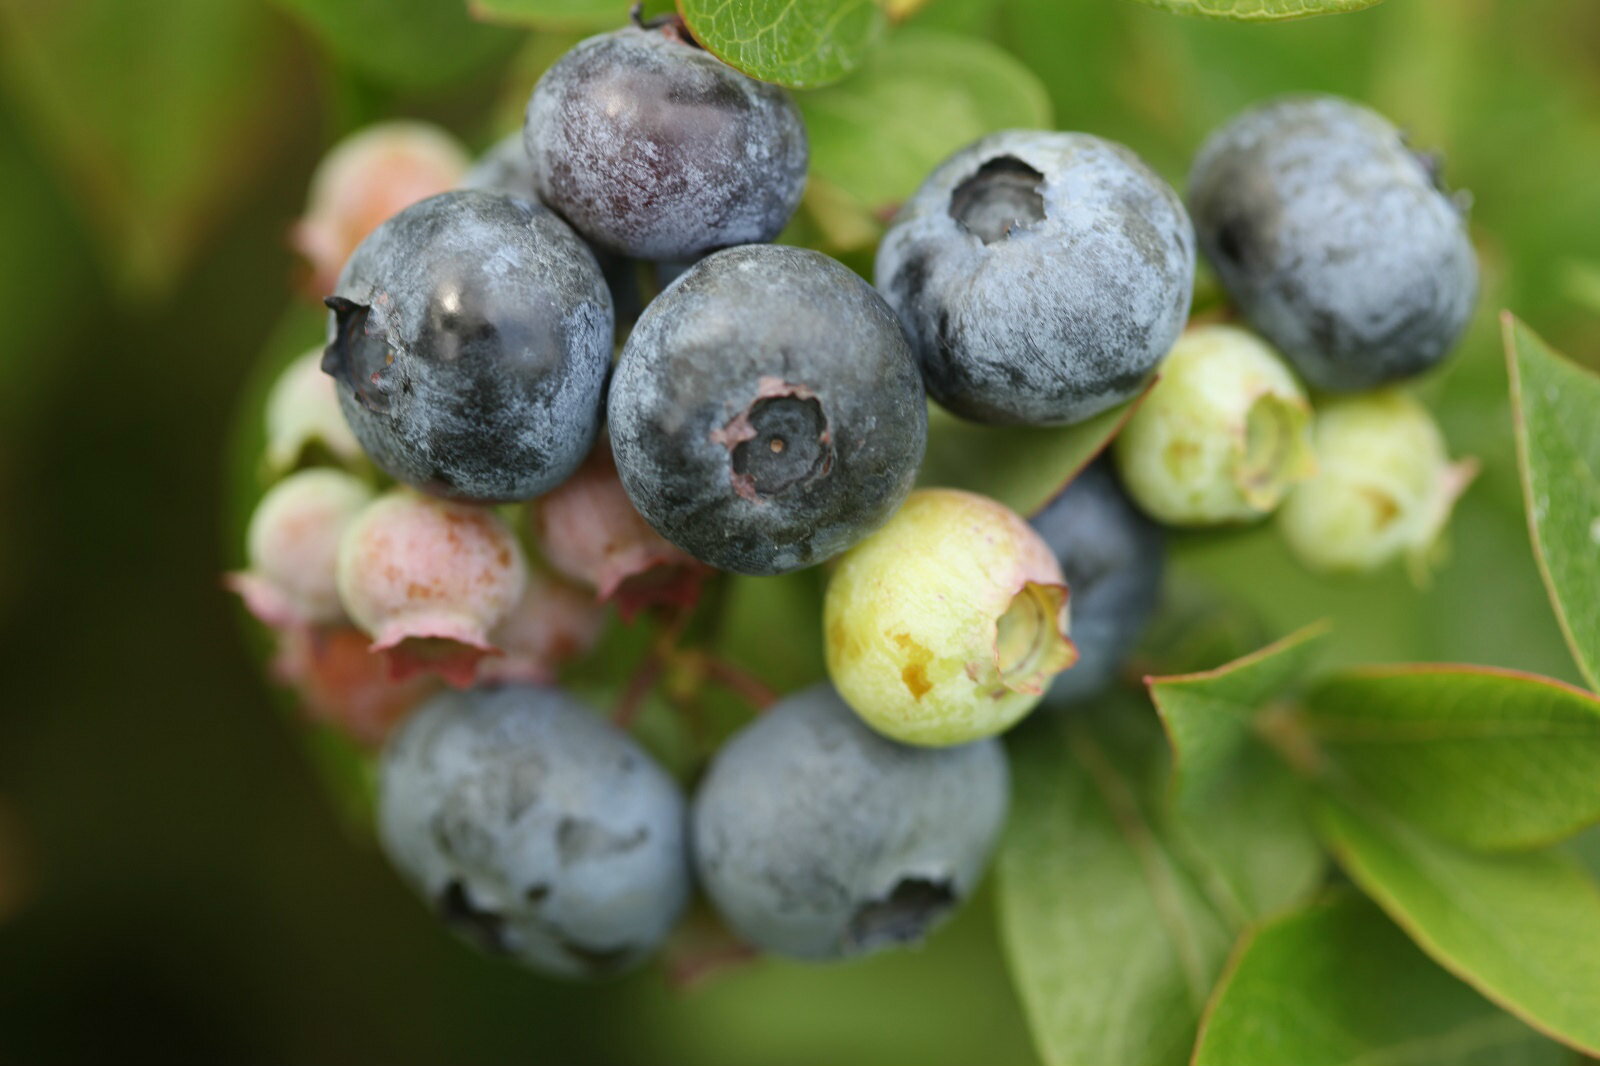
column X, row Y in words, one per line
column 738, row 681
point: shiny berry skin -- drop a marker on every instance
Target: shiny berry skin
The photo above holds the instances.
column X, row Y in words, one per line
column 656, row 149
column 1221, row 437
column 766, row 413
column 470, row 337
column 947, row 624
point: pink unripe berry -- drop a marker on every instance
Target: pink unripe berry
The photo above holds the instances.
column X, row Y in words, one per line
column 342, row 683
column 293, row 548
column 367, row 177
column 590, row 532
column 552, row 624
column 428, row 579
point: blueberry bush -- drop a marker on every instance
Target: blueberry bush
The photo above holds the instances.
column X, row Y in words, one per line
column 1058, row 512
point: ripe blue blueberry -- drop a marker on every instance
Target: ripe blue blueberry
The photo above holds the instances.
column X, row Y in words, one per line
column 504, row 168
column 1335, row 239
column 1113, row 558
column 819, row 839
column 1040, row 276
column 536, row 828
column 766, row 413
column 656, row 149
column 470, row 337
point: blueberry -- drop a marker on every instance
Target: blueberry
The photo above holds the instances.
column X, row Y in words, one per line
column 819, row 839
column 1383, row 489
column 536, row 829
column 1112, row 557
column 1222, row 436
column 656, row 149
column 947, row 624
column 470, row 336
column 1040, row 276
column 1335, row 240
column 766, row 412
column 505, row 168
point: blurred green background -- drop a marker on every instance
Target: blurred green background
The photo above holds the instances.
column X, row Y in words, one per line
column 174, row 886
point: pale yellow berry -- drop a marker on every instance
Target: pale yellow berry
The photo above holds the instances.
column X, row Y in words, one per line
column 1384, row 486
column 1221, row 437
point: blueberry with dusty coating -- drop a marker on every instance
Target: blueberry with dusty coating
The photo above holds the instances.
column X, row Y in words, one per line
column 1336, row 240
column 766, row 413
column 654, row 148
column 1113, row 559
column 817, row 838
column 470, row 337
column 536, row 829
column 504, row 167
column 1040, row 276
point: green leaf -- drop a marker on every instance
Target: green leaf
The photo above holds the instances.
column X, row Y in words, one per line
column 917, row 99
column 1318, row 987
column 1523, row 928
column 160, row 116
column 1260, row 10
column 1097, row 879
column 1211, row 717
column 803, row 45
column 1023, row 467
column 553, row 14
column 405, row 43
column 1486, row 758
column 1558, row 449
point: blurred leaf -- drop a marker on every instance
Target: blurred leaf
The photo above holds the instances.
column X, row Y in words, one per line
column 160, row 116
column 1554, row 403
column 1582, row 283
column 407, row 44
column 348, row 772
column 1117, row 918
column 553, row 14
column 1211, row 717
column 840, row 221
column 1197, row 628
column 1260, row 10
column 801, row 45
column 916, row 99
column 537, row 54
column 1024, row 467
column 1319, row 987
column 1483, row 757
column 772, row 626
column 1522, row 928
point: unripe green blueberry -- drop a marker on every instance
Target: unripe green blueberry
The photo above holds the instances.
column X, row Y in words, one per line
column 302, row 410
column 947, row 624
column 1384, row 486
column 1221, row 437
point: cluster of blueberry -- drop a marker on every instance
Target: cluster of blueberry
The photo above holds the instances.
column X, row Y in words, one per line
column 768, row 412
